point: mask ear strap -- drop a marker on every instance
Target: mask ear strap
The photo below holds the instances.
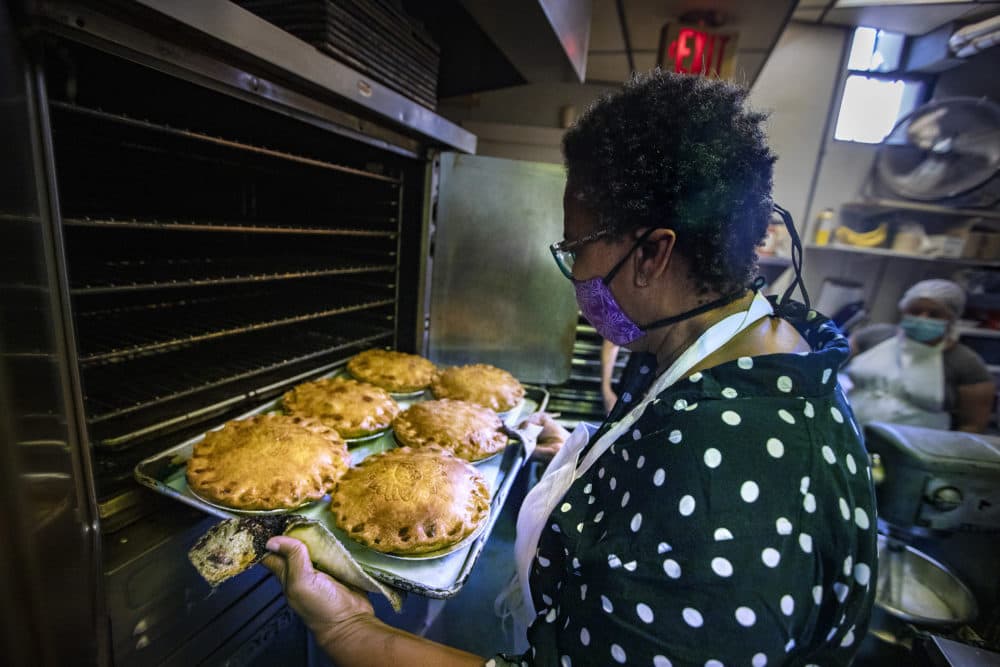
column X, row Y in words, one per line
column 617, row 267
column 786, row 217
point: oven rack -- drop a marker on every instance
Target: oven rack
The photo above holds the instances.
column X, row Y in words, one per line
column 342, row 291
column 13, row 216
column 574, row 404
column 237, row 227
column 206, row 139
column 146, row 399
column 126, row 275
column 108, row 336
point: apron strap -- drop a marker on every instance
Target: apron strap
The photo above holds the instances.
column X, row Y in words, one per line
column 707, row 344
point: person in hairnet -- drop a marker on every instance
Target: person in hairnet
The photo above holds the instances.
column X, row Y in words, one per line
column 917, row 372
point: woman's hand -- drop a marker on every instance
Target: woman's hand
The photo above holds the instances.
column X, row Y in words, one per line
column 324, row 604
column 343, row 621
column 552, row 436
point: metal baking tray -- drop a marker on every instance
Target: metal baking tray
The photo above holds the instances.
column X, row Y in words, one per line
column 434, row 578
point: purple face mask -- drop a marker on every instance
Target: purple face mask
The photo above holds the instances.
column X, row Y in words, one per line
column 601, row 309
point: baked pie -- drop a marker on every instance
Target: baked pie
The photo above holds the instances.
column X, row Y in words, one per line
column 467, row 430
column 410, row 501
column 267, row 462
column 398, row 372
column 355, row 409
column 479, row 383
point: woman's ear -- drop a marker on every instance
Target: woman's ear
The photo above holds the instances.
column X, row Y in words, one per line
column 654, row 255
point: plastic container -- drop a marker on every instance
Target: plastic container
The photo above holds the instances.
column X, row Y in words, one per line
column 826, row 223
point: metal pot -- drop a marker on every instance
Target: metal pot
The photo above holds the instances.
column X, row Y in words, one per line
column 917, row 589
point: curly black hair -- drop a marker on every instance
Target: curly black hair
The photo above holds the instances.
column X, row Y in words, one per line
column 684, row 152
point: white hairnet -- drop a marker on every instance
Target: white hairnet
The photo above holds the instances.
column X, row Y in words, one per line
column 948, row 294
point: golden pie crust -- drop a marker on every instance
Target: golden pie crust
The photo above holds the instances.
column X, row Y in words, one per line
column 483, row 384
column 410, row 501
column 398, row 372
column 467, row 430
column 267, row 462
column 354, row 409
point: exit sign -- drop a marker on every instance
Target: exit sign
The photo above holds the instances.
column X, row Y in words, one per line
column 696, row 50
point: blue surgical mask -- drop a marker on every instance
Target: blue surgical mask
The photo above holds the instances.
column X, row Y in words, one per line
column 923, row 329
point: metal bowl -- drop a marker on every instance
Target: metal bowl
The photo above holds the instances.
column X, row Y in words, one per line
column 914, row 587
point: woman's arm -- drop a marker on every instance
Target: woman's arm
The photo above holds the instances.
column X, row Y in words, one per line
column 609, row 353
column 343, row 622
column 370, row 642
column 974, row 406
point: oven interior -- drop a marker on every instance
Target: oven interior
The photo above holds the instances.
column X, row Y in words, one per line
column 216, row 252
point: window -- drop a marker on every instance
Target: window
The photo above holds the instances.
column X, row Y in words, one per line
column 875, row 50
column 872, row 101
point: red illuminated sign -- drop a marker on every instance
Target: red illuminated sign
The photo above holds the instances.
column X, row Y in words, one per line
column 690, row 50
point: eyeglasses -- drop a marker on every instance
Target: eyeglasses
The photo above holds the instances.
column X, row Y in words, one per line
column 564, row 252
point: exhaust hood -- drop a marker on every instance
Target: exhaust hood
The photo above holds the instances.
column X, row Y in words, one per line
column 545, row 40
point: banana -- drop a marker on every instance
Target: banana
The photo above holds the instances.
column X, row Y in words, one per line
column 872, row 239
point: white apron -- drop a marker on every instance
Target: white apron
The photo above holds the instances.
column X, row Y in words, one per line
column 899, row 381
column 565, row 467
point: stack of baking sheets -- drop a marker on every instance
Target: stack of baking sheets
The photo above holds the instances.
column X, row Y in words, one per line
column 374, row 37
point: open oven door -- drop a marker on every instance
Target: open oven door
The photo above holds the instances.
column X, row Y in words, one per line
column 495, row 295
column 49, row 573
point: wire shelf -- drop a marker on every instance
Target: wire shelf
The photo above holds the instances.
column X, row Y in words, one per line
column 164, row 273
column 121, row 120
column 150, row 386
column 120, row 333
column 230, row 227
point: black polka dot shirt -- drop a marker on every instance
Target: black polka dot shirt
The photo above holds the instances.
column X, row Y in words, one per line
column 734, row 524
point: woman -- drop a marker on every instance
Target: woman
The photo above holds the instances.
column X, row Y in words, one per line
column 724, row 513
column 918, row 373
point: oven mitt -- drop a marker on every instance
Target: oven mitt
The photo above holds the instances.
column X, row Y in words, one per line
column 235, row 545
column 527, row 433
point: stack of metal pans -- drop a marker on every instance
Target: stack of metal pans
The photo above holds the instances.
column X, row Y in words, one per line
column 374, row 37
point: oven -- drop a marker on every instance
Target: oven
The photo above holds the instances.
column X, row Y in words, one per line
column 201, row 212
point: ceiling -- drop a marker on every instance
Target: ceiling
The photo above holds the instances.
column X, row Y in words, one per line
column 759, row 23
column 911, row 17
column 486, row 45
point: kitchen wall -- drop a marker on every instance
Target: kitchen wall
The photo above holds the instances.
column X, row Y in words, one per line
column 521, row 122
column 796, row 86
column 537, row 104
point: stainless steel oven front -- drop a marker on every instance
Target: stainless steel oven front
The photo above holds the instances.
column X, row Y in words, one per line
column 192, row 221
